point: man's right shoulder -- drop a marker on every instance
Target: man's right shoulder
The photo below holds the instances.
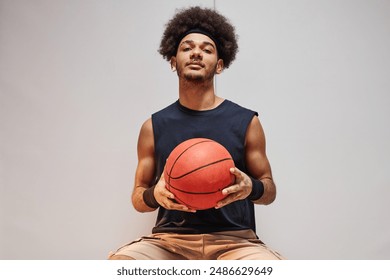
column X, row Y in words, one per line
column 147, row 125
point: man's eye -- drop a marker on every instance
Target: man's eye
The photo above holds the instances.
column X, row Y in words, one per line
column 186, row 49
column 207, row 51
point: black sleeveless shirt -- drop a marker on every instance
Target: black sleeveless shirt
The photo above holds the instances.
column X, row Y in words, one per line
column 226, row 124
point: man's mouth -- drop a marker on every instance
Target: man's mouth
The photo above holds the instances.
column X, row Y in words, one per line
column 196, row 64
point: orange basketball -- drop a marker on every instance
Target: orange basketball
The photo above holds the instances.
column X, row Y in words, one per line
column 197, row 171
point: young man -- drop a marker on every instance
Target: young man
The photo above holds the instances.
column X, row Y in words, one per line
column 200, row 43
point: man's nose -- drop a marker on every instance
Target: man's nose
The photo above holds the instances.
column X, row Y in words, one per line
column 196, row 53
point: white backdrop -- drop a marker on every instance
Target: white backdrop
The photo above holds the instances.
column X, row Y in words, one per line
column 78, row 78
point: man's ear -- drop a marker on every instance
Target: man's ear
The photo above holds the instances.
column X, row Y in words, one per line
column 220, row 66
column 173, row 63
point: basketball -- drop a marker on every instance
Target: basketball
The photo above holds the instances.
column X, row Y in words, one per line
column 197, row 171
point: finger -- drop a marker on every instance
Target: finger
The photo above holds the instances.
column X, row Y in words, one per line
column 173, row 205
column 165, row 192
column 168, row 194
column 231, row 189
column 236, row 172
column 227, row 200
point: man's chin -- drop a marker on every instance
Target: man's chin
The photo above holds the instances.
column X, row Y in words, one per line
column 194, row 78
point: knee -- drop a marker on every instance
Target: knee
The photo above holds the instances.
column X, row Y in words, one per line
column 120, row 257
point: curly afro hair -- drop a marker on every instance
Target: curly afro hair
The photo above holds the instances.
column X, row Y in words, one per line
column 204, row 19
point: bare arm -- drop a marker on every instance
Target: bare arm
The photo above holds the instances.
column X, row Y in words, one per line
column 145, row 173
column 258, row 166
column 257, row 161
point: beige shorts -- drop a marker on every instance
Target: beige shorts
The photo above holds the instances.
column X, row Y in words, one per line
column 226, row 245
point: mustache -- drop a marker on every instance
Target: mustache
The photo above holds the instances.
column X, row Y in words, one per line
column 195, row 62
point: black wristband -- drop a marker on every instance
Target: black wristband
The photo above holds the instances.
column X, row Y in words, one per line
column 257, row 189
column 149, row 198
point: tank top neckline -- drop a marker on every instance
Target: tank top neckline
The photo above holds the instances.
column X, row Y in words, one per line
column 201, row 112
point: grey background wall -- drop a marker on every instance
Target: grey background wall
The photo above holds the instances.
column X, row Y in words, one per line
column 78, row 78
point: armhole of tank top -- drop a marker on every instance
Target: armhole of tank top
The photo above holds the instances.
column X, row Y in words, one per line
column 251, row 115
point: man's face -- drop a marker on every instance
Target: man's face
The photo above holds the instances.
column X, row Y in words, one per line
column 197, row 58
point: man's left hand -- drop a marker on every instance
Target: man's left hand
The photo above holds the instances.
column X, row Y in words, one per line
column 241, row 188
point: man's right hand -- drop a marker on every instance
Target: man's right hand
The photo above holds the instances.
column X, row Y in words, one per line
column 167, row 199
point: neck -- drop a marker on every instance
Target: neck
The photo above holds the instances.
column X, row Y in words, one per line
column 198, row 95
